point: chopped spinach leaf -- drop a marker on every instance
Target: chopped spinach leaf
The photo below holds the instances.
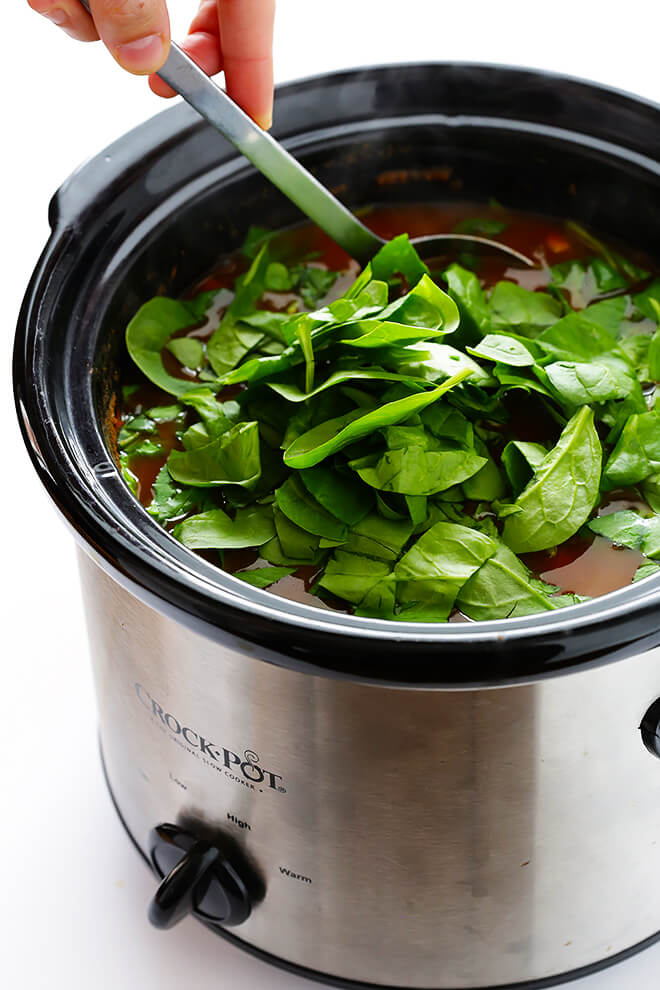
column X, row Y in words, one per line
column 217, row 417
column 502, row 588
column 187, row 350
column 335, row 434
column 646, row 570
column 636, row 455
column 503, row 349
column 148, row 333
column 645, row 300
column 375, row 536
column 430, row 575
column 301, row 507
column 398, row 257
column 563, row 491
column 465, row 289
column 630, row 529
column 344, row 497
column 520, row 461
column 215, row 530
column 414, row 470
column 514, row 308
column 263, row 577
column 481, row 226
column 296, row 543
column 171, row 501
column 356, row 578
column 230, row 459
column 578, row 383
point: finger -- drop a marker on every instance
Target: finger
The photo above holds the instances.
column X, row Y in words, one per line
column 206, row 19
column 246, row 40
column 204, row 49
column 68, row 15
column 136, row 32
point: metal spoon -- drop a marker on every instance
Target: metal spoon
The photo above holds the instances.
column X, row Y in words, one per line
column 299, row 185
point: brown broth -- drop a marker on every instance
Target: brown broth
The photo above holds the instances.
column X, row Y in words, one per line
column 590, row 567
column 582, row 566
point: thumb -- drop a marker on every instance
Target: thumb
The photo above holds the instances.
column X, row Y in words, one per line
column 136, row 32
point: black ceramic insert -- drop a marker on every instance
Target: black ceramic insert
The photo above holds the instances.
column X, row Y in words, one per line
column 157, row 208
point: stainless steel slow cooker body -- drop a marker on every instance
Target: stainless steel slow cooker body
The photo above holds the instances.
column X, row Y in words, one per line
column 407, row 806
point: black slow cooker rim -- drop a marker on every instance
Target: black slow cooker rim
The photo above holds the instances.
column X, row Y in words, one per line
column 137, row 552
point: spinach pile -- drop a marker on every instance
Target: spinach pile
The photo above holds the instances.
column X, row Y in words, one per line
column 370, row 438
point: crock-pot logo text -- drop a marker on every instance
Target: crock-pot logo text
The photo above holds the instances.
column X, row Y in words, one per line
column 243, row 768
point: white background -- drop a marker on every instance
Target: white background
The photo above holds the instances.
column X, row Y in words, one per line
column 73, row 891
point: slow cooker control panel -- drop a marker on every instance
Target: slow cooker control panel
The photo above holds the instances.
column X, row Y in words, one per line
column 205, row 877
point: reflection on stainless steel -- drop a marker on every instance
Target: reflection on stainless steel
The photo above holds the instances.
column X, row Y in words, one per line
column 406, row 837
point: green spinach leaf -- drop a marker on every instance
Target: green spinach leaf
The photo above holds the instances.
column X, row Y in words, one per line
column 481, row 226
column 563, row 491
column 148, row 333
column 292, row 393
column 576, row 338
column 171, row 501
column 487, row 483
column 654, row 358
column 630, row 529
column 335, row 434
column 465, row 289
column 263, row 577
column 398, row 257
column 651, row 491
column 188, row 351
column 300, row 507
column 343, row 496
column 646, row 570
column 578, row 383
column 215, row 530
column 217, row 417
column 434, row 363
column 504, row 349
column 512, row 307
column 430, row 575
column 521, row 460
column 354, row 578
column 230, row 459
column 636, row 455
column 503, row 588
column 232, row 341
column 644, row 300
column 378, row 537
column 415, row 471
column 129, row 477
column 447, row 423
column 426, row 305
column 297, row 544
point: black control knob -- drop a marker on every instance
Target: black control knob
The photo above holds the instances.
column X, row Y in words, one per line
column 198, row 877
column 650, row 729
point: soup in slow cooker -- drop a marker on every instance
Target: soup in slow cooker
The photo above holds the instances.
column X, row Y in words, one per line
column 454, row 440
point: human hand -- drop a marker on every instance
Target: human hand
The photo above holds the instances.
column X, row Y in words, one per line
column 234, row 35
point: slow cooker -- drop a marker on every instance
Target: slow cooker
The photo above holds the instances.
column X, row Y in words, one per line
column 367, row 803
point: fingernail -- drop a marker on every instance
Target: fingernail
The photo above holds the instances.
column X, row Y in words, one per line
column 58, row 16
column 144, row 56
column 265, row 121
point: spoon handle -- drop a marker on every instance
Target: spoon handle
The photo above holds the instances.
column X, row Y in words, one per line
column 266, row 154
